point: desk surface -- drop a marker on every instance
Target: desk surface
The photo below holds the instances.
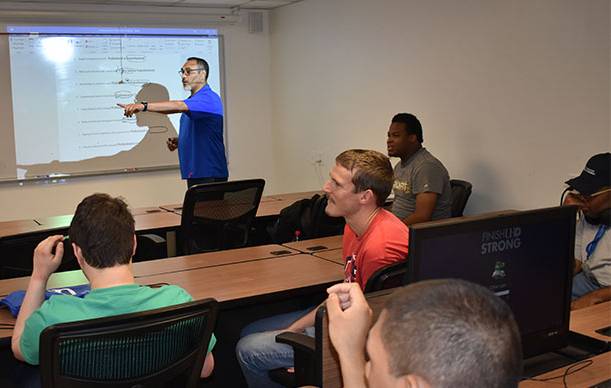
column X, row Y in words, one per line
column 147, row 218
column 589, row 319
column 316, row 245
column 598, row 372
column 252, row 278
column 10, row 228
column 334, row 255
column 161, row 266
column 210, row 259
column 230, row 284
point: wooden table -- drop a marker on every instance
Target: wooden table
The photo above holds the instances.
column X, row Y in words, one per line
column 246, row 280
column 334, row 255
column 210, row 259
column 11, row 228
column 589, row 319
column 164, row 217
column 232, row 284
column 316, row 245
column 147, row 219
column 598, row 372
column 161, row 266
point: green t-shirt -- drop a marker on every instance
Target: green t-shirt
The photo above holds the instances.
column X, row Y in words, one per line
column 100, row 302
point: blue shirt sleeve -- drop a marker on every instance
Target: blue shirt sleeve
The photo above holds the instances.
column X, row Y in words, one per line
column 203, row 103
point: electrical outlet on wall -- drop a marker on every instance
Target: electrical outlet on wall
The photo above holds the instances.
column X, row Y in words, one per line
column 317, row 158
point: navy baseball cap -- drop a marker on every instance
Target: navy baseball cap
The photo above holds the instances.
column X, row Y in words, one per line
column 595, row 176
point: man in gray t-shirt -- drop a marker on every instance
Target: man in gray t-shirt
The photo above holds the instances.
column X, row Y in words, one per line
column 422, row 184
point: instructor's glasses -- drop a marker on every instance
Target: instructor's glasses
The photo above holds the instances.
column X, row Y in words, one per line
column 188, row 71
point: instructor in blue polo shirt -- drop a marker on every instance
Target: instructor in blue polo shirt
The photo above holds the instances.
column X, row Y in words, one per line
column 201, row 151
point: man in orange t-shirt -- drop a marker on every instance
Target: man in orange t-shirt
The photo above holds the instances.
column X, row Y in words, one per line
column 358, row 185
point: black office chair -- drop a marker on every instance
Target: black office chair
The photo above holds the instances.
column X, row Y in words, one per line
column 387, row 277
column 461, row 190
column 219, row 215
column 156, row 348
column 150, row 247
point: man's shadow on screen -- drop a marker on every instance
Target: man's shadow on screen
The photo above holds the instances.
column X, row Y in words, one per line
column 151, row 151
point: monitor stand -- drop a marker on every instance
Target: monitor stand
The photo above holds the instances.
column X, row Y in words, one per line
column 580, row 347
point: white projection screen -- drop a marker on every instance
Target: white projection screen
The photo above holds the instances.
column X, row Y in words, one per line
column 59, row 89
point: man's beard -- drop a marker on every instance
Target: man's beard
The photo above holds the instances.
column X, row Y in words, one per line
column 602, row 218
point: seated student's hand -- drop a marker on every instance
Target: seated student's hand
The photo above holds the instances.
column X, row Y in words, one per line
column 47, row 257
column 349, row 317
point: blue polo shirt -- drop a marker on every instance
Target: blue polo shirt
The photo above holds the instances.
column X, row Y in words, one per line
column 201, row 150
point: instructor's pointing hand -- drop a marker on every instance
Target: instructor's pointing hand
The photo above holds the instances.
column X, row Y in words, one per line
column 130, row 109
column 172, row 143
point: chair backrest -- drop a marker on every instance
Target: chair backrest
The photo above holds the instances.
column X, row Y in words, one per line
column 461, row 190
column 218, row 215
column 387, row 277
column 162, row 347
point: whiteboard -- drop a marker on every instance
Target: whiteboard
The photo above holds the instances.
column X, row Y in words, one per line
column 60, row 90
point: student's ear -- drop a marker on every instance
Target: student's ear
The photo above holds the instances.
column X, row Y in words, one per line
column 413, row 381
column 78, row 253
column 135, row 246
column 367, row 196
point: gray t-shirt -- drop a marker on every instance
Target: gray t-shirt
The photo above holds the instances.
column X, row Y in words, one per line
column 421, row 173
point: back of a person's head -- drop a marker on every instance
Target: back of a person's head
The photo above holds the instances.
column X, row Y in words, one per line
column 412, row 124
column 103, row 228
column 452, row 333
column 370, row 170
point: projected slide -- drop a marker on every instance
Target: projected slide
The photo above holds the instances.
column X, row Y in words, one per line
column 65, row 90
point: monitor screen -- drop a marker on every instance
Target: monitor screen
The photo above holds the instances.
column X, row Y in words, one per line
column 524, row 257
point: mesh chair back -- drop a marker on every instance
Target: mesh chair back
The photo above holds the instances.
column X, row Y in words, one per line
column 219, row 215
column 387, row 277
column 461, row 190
column 157, row 348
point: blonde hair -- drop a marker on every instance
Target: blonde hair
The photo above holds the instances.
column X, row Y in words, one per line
column 371, row 170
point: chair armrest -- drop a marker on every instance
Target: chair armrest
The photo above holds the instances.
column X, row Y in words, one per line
column 299, row 342
column 304, row 360
column 154, row 238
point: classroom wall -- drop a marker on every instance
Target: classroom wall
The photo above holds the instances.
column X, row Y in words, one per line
column 248, row 119
column 513, row 96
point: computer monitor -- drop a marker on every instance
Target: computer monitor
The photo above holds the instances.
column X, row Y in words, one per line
column 524, row 257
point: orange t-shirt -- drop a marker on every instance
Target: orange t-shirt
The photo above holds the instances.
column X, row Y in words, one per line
column 384, row 242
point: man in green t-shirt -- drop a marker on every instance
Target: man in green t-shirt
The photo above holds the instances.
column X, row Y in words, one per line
column 103, row 240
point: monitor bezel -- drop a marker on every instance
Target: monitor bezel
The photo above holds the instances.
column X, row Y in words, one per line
column 533, row 343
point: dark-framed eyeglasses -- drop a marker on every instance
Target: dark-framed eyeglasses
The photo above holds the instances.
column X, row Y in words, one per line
column 189, row 71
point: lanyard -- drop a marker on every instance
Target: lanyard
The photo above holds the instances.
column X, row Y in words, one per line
column 591, row 247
